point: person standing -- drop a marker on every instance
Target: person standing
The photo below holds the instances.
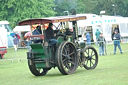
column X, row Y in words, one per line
column 114, row 31
column 37, row 31
column 97, row 33
column 116, row 39
column 28, row 42
column 88, row 37
column 101, row 42
column 16, row 41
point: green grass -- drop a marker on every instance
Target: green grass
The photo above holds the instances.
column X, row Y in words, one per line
column 111, row 70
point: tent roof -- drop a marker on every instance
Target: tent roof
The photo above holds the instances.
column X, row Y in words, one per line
column 52, row 20
column 22, row 28
column 4, row 22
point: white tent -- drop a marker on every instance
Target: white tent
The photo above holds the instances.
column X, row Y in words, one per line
column 22, row 28
column 105, row 24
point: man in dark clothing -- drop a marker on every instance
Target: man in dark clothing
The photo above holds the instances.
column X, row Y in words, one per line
column 50, row 35
column 116, row 39
column 101, row 42
column 116, row 29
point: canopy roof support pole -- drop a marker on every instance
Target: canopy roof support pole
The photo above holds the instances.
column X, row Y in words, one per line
column 75, row 30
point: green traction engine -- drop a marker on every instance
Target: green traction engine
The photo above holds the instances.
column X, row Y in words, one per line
column 68, row 53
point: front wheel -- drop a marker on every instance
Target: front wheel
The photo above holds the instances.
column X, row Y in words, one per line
column 91, row 57
column 35, row 71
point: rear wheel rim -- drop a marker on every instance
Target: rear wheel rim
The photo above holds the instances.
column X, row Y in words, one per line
column 67, row 59
column 35, row 71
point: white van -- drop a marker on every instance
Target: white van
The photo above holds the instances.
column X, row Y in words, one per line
column 5, row 26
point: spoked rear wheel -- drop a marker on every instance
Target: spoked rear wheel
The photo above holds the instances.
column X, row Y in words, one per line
column 35, row 71
column 67, row 60
column 91, row 59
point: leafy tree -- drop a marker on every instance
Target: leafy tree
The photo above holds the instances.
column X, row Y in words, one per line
column 95, row 6
column 122, row 7
column 17, row 10
column 86, row 6
column 64, row 5
column 81, row 7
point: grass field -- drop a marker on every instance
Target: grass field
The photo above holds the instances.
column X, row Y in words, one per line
column 111, row 70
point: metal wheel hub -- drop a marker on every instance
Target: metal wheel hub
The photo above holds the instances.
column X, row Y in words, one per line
column 68, row 57
column 89, row 57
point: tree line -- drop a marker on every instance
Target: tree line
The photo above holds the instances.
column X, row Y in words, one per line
column 17, row 10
